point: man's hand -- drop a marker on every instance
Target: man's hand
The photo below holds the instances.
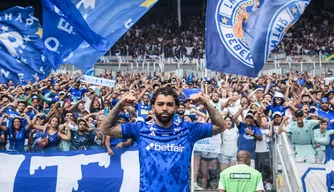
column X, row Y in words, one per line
column 248, row 131
column 110, row 152
column 199, row 98
column 119, row 145
column 128, row 100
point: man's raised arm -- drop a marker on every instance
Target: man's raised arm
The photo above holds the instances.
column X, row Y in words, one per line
column 217, row 119
column 109, row 126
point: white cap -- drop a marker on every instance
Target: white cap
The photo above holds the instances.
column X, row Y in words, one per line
column 250, row 114
column 277, row 113
column 278, row 94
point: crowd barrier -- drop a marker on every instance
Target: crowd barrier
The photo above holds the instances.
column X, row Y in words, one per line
column 296, row 177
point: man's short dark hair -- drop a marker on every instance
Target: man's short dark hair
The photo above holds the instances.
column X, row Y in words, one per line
column 4, row 96
column 81, row 120
column 166, row 91
column 22, row 102
column 322, row 121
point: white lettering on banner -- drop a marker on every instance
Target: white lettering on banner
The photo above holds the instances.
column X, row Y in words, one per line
column 98, row 81
column 69, row 169
column 57, row 10
column 4, row 73
column 48, row 46
column 128, row 24
column 29, row 22
column 18, row 18
column 41, row 69
column 21, row 77
column 211, row 144
column 65, row 26
column 8, row 16
column 68, row 166
column 131, row 171
column 86, row 4
column 9, row 166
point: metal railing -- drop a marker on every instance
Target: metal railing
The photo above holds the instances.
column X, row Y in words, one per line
column 290, row 176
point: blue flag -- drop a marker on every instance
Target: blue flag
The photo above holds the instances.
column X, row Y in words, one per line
column 90, row 72
column 64, row 29
column 190, row 78
column 110, row 19
column 240, row 35
column 22, row 55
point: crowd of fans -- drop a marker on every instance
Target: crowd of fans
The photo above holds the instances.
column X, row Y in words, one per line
column 61, row 113
column 310, row 35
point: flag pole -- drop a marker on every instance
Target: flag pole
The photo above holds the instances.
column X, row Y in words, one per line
column 71, row 87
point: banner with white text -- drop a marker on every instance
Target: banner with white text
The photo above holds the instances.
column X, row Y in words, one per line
column 93, row 171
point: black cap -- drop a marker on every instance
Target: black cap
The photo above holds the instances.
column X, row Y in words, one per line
column 299, row 113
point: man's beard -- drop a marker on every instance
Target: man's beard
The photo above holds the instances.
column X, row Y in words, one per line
column 215, row 101
column 164, row 117
column 180, row 112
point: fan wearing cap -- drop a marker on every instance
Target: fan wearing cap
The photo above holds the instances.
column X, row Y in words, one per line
column 248, row 133
column 330, row 94
column 325, row 112
column 277, row 104
column 278, row 122
column 302, row 135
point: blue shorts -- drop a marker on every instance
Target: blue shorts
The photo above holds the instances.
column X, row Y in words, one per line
column 227, row 159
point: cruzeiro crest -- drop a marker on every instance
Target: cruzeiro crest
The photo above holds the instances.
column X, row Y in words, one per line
column 283, row 19
column 230, row 15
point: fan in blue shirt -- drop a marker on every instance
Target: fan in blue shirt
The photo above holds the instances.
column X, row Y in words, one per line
column 164, row 148
column 77, row 92
column 248, row 133
column 143, row 108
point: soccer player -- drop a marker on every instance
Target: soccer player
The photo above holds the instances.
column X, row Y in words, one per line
column 164, row 148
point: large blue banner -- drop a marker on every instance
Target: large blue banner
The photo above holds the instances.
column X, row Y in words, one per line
column 241, row 34
column 22, row 55
column 70, row 171
column 108, row 18
column 74, row 31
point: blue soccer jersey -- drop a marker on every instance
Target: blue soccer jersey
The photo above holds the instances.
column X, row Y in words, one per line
column 247, row 142
column 165, row 153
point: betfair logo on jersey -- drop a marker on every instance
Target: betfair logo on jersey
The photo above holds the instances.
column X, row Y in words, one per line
column 168, row 147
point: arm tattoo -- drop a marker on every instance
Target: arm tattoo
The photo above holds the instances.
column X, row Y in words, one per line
column 109, row 126
column 216, row 119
